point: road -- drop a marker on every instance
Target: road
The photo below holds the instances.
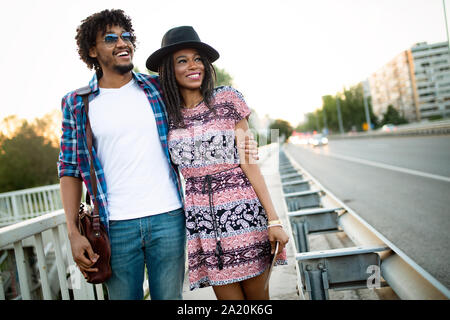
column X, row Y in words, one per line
column 399, row 185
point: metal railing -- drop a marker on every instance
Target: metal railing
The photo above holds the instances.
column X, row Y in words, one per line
column 441, row 127
column 24, row 204
column 43, row 238
column 343, row 268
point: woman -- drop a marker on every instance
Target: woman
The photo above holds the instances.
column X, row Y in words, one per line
column 232, row 226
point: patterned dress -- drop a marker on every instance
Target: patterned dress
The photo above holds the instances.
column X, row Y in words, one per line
column 226, row 224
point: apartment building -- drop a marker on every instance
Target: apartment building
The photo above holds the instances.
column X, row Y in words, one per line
column 393, row 84
column 432, row 78
column 416, row 82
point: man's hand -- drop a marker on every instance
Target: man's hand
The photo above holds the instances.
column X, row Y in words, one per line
column 82, row 253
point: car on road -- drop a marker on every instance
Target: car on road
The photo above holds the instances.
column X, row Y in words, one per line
column 389, row 127
column 318, row 140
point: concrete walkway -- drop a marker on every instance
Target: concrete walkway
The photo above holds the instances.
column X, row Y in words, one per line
column 283, row 281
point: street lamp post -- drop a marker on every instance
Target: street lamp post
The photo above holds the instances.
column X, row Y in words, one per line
column 338, row 107
column 366, row 106
column 317, row 121
column 446, row 25
column 448, row 41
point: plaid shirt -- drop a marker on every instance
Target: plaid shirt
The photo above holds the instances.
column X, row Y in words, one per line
column 74, row 154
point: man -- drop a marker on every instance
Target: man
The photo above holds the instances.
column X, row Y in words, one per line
column 138, row 191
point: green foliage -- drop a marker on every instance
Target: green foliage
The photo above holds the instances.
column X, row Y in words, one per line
column 27, row 159
column 435, row 117
column 392, row 116
column 148, row 72
column 311, row 123
column 352, row 112
column 223, row 77
column 284, row 127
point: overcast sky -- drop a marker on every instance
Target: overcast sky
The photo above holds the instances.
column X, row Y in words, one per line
column 283, row 55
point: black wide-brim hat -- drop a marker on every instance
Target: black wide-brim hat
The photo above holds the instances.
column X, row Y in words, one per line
column 176, row 39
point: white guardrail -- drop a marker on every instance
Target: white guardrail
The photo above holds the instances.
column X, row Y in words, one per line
column 406, row 278
column 35, row 256
column 29, row 203
column 45, row 237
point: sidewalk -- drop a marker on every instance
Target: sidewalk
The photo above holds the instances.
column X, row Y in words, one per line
column 283, row 281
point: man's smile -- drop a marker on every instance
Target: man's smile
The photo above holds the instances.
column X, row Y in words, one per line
column 123, row 53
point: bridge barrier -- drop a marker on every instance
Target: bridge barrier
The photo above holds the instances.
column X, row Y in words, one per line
column 373, row 262
column 26, row 239
column 413, row 129
column 29, row 203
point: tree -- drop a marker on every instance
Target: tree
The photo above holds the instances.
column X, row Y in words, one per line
column 284, row 127
column 9, row 125
column 49, row 126
column 392, row 116
column 223, row 77
column 352, row 111
column 153, row 73
column 27, row 158
column 310, row 124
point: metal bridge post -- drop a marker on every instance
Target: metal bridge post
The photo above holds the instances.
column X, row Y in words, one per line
column 300, row 231
column 316, row 282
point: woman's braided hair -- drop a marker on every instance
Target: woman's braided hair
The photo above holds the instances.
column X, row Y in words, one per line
column 98, row 22
column 172, row 96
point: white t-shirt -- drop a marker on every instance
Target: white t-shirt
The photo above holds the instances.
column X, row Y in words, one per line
column 136, row 169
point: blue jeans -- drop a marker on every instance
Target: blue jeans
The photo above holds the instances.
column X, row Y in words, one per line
column 156, row 241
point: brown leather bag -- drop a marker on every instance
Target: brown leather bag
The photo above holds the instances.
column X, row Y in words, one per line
column 89, row 223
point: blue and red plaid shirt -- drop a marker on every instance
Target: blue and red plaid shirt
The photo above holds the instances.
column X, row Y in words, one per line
column 74, row 154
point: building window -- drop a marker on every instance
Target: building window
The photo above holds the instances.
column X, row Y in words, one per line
column 440, row 62
column 429, row 109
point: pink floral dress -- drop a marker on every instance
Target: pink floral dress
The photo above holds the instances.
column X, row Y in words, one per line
column 226, row 225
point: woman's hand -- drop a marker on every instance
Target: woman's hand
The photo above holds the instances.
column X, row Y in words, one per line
column 276, row 233
column 250, row 147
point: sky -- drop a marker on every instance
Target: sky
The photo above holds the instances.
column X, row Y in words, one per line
column 283, row 55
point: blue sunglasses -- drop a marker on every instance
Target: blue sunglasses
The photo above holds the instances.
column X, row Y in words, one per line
column 112, row 38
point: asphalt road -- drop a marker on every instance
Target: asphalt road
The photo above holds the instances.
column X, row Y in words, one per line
column 399, row 185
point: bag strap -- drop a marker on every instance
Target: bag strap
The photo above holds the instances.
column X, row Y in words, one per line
column 84, row 93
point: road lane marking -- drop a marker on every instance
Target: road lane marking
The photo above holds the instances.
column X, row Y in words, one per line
column 389, row 167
